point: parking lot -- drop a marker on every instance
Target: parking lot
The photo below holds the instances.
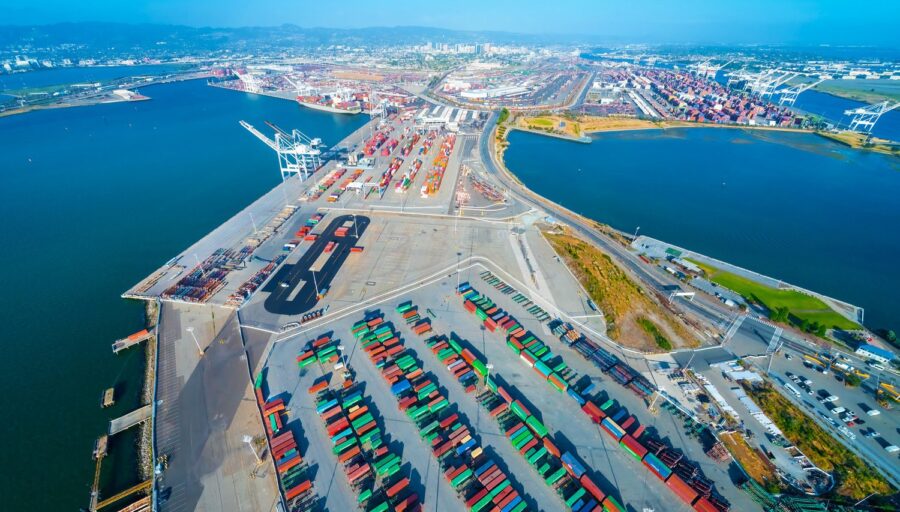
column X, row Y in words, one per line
column 858, row 400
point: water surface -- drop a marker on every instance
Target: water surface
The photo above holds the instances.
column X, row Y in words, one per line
column 92, row 200
column 793, row 206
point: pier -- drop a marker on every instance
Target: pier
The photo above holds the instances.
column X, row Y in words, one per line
column 131, row 341
column 141, row 504
column 129, row 420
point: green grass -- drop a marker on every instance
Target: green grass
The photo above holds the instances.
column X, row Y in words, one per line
column 801, row 306
column 540, row 121
column 651, row 329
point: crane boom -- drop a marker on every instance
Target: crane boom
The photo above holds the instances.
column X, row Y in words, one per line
column 259, row 135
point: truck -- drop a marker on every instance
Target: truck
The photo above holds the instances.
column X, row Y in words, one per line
column 792, row 389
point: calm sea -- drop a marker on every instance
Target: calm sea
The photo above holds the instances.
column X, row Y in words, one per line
column 92, row 200
column 75, row 75
column 793, row 206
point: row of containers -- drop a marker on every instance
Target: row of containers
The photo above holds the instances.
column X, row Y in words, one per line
column 336, row 194
column 434, row 178
column 474, row 474
column 681, row 475
column 517, row 297
column 326, row 183
column 563, row 472
column 207, row 278
column 293, row 478
column 374, row 472
column 245, row 291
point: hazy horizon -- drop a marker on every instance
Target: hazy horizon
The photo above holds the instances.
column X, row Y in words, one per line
column 798, row 22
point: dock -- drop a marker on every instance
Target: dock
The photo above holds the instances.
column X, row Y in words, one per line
column 100, row 447
column 131, row 341
column 108, row 400
column 143, row 486
column 129, row 420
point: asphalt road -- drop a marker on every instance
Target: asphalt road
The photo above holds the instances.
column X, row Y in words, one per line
column 700, row 306
column 284, row 300
column 714, row 312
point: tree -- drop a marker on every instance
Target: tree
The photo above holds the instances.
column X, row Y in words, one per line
column 504, row 115
column 779, row 314
column 891, row 336
column 852, row 380
column 821, row 329
column 804, row 325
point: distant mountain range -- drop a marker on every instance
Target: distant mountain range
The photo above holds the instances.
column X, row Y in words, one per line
column 107, row 36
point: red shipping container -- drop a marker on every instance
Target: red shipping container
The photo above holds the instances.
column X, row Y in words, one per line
column 592, row 488
column 681, row 489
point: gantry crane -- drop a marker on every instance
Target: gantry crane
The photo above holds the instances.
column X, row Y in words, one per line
column 789, row 96
column 298, row 155
column 863, row 119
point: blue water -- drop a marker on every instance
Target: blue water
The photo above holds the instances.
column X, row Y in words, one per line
column 793, row 206
column 61, row 76
column 833, row 107
column 92, row 200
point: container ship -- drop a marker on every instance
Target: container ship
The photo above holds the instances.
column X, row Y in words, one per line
column 327, row 103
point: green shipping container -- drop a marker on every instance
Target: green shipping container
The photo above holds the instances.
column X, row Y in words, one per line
column 536, row 426
column 574, row 497
column 462, row 477
column 555, row 476
column 481, row 369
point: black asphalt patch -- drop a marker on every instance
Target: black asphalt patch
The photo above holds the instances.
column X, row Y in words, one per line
column 277, row 302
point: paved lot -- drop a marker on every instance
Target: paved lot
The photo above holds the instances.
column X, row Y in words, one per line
column 609, row 462
column 204, row 408
column 289, row 300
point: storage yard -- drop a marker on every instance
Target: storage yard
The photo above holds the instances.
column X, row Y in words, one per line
column 397, row 333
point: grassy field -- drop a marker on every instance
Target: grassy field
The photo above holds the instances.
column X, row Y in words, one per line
column 760, row 470
column 586, row 124
column 626, row 307
column 867, row 91
column 542, row 122
column 650, row 328
column 800, row 306
column 854, row 477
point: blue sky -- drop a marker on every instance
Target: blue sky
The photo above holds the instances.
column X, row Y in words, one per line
column 727, row 21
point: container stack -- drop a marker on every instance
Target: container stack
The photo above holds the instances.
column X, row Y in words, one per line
column 477, row 479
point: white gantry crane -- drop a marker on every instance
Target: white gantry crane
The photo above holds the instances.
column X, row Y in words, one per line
column 863, row 119
column 768, row 81
column 298, row 155
column 789, row 96
column 707, row 69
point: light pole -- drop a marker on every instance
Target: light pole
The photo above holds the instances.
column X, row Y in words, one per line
column 355, row 231
column 249, row 440
column 458, row 254
column 253, row 221
column 636, row 232
column 191, row 331
column 313, row 272
column 864, row 499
